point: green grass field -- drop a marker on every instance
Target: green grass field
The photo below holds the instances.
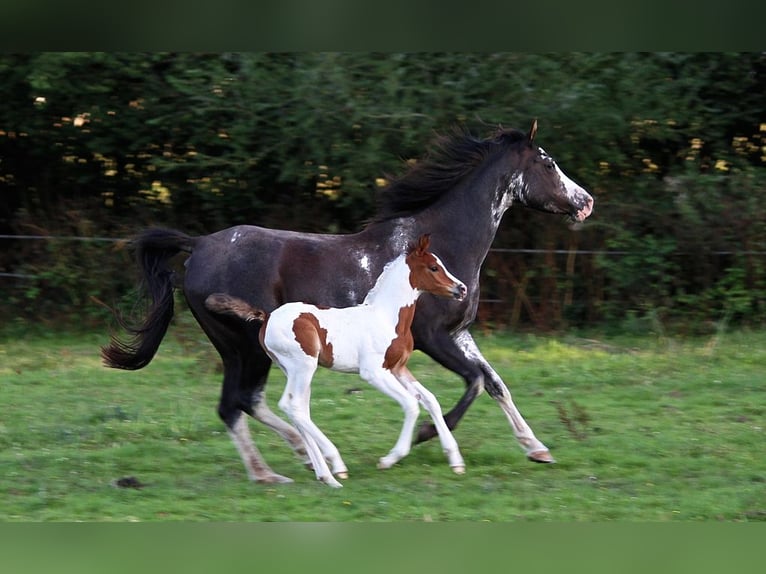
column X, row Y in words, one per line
column 644, row 428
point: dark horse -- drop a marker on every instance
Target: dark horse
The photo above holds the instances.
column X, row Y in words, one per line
column 458, row 193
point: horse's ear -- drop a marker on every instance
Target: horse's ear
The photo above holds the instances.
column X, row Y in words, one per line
column 532, row 131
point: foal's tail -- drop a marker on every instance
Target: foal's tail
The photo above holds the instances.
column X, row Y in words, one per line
column 228, row 305
column 153, row 250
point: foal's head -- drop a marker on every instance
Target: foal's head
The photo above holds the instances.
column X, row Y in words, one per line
column 427, row 272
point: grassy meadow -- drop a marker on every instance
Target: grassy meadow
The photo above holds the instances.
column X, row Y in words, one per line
column 644, row 428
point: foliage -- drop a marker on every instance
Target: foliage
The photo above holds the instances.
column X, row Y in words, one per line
column 670, row 144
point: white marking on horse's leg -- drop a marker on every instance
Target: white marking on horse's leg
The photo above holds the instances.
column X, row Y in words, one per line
column 255, row 465
column 264, row 414
column 532, row 447
column 432, row 406
column 384, row 381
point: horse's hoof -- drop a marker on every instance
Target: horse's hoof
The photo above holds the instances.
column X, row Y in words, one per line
column 274, row 479
column 343, row 475
column 458, row 469
column 542, row 456
column 330, row 481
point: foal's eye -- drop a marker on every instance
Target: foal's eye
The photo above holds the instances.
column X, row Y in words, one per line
column 434, row 268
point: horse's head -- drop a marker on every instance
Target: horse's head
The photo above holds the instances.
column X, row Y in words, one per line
column 428, row 273
column 541, row 184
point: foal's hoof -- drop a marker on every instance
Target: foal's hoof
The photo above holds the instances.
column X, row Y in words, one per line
column 543, row 456
column 343, row 475
column 274, row 479
column 460, row 469
column 330, row 481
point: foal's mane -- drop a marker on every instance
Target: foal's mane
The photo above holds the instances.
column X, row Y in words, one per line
column 450, row 157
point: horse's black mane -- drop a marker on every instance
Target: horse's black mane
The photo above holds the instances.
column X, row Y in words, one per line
column 450, row 158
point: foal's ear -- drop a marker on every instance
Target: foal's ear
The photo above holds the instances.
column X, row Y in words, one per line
column 424, row 242
column 532, row 131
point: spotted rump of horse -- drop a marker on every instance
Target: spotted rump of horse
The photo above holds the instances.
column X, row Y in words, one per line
column 372, row 339
column 458, row 193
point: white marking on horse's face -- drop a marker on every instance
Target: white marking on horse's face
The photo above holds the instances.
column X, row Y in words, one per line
column 364, row 263
column 575, row 194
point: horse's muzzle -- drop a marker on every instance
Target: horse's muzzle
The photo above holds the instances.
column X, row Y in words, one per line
column 587, row 208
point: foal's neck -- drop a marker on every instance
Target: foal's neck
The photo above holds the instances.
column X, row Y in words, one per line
column 393, row 290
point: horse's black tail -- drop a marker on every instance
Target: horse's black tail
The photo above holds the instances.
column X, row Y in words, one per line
column 153, row 250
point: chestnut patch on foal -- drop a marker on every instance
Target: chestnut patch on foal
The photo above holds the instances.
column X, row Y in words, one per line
column 313, row 338
column 399, row 350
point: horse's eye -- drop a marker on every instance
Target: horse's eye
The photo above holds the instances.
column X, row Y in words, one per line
column 434, row 268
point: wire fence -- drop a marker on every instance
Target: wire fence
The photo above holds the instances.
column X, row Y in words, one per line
column 509, row 250
column 122, row 239
column 503, row 292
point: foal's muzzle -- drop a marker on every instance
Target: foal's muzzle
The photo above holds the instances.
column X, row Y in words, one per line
column 459, row 291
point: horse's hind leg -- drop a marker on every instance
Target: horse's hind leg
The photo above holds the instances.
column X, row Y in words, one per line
column 255, row 465
column 230, row 408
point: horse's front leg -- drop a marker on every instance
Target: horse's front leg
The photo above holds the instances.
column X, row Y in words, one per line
column 461, row 355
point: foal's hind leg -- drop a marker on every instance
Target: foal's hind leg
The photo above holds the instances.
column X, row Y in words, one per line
column 295, row 402
column 255, row 370
column 231, row 410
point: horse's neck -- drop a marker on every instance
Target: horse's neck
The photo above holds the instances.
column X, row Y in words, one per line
column 468, row 217
column 393, row 290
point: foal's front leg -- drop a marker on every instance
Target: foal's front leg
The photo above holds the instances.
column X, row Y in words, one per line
column 385, row 382
column 433, row 408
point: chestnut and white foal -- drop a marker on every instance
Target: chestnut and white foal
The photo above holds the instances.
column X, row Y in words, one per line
column 372, row 339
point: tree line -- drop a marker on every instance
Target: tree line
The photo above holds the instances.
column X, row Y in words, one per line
column 671, row 145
